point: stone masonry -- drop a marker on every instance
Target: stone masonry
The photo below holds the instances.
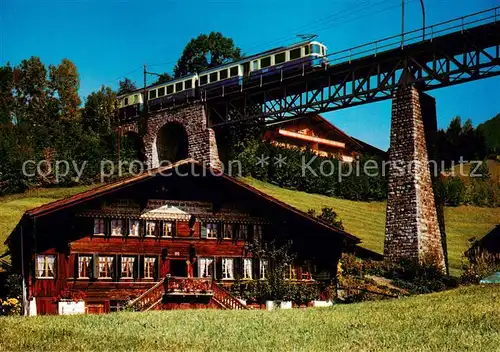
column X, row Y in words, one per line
column 202, row 145
column 412, row 226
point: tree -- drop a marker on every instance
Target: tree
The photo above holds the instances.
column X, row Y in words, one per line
column 6, row 94
column 204, row 52
column 99, row 111
column 126, row 86
column 65, row 81
column 163, row 78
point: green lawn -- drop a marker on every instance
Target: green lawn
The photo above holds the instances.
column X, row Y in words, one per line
column 463, row 319
column 367, row 220
column 13, row 207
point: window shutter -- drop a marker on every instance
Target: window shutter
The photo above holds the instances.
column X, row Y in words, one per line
column 136, row 267
column 156, row 274
column 125, row 228
column 95, row 266
column 256, row 268
column 107, row 227
column 157, row 229
column 75, row 266
column 238, row 268
column 117, row 268
column 204, row 230
column 143, row 228
column 218, row 268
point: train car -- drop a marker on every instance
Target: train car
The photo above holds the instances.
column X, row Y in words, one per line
column 221, row 80
column 171, row 93
column 298, row 58
column 130, row 105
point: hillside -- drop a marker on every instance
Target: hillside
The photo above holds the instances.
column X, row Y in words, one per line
column 462, row 319
column 363, row 219
column 367, row 220
column 491, row 131
column 493, row 167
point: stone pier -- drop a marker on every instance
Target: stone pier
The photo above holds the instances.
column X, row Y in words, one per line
column 412, row 230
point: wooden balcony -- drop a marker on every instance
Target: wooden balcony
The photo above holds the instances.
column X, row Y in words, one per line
column 188, row 286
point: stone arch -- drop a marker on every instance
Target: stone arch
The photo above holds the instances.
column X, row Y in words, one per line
column 171, row 142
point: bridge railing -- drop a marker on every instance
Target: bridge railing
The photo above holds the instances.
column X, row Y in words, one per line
column 415, row 36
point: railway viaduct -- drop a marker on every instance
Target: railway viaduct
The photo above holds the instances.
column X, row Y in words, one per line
column 453, row 52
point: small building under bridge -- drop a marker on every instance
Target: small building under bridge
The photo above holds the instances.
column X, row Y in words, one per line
column 173, row 237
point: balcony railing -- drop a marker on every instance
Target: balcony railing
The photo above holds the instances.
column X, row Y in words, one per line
column 192, row 286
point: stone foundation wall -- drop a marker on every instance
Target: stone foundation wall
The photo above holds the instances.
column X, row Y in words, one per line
column 412, row 227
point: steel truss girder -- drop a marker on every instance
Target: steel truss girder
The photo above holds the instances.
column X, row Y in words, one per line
column 452, row 59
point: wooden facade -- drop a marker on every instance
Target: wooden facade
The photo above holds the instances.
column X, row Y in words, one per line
column 320, row 136
column 119, row 241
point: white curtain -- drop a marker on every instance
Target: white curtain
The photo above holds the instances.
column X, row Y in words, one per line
column 204, row 267
column 247, row 267
column 40, row 265
column 51, row 265
column 227, row 268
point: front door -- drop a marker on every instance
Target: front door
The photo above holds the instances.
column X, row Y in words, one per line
column 178, row 267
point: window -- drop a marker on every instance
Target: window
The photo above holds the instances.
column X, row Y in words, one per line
column 45, row 266
column 161, row 91
column 206, row 267
column 315, row 49
column 227, row 268
column 149, row 267
column 228, row 231
column 152, row 94
column 99, row 227
column 84, row 266
column 116, row 227
column 128, row 267
column 255, row 65
column 223, row 74
column 264, row 266
column 306, row 50
column 233, row 71
column 203, row 80
column 168, row 229
column 247, row 268
column 257, row 232
column 279, row 58
column 136, row 98
column 125, row 101
column 294, row 54
column 134, row 227
column 179, row 87
column 106, row 267
column 291, row 273
column 243, row 232
column 212, row 230
column 170, row 89
column 188, row 84
column 213, row 77
column 265, row 62
column 151, row 229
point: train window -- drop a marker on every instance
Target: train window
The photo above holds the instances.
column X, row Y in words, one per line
column 213, row 77
column 170, row 89
column 152, row 94
column 315, row 49
column 203, row 80
column 294, row 54
column 279, row 58
column 188, row 84
column 161, row 91
column 178, row 87
column 255, row 65
column 265, row 62
column 223, row 74
column 136, row 99
column 306, row 50
column 125, row 101
column 233, row 71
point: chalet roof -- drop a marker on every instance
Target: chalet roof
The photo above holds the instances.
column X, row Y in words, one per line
column 489, row 242
column 112, row 187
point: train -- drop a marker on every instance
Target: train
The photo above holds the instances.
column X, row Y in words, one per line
column 264, row 67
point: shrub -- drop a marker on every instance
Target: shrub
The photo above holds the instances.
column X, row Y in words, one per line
column 10, row 306
column 479, row 266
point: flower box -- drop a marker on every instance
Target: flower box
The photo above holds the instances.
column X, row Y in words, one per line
column 322, row 304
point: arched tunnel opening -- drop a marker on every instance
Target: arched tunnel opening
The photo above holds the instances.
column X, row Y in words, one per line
column 172, row 143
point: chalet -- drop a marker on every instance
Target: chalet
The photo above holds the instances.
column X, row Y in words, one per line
column 172, row 237
column 320, row 136
column 489, row 243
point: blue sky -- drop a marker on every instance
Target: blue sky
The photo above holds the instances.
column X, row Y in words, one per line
column 108, row 40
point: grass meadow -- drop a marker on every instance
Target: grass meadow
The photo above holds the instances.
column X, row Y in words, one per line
column 462, row 319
